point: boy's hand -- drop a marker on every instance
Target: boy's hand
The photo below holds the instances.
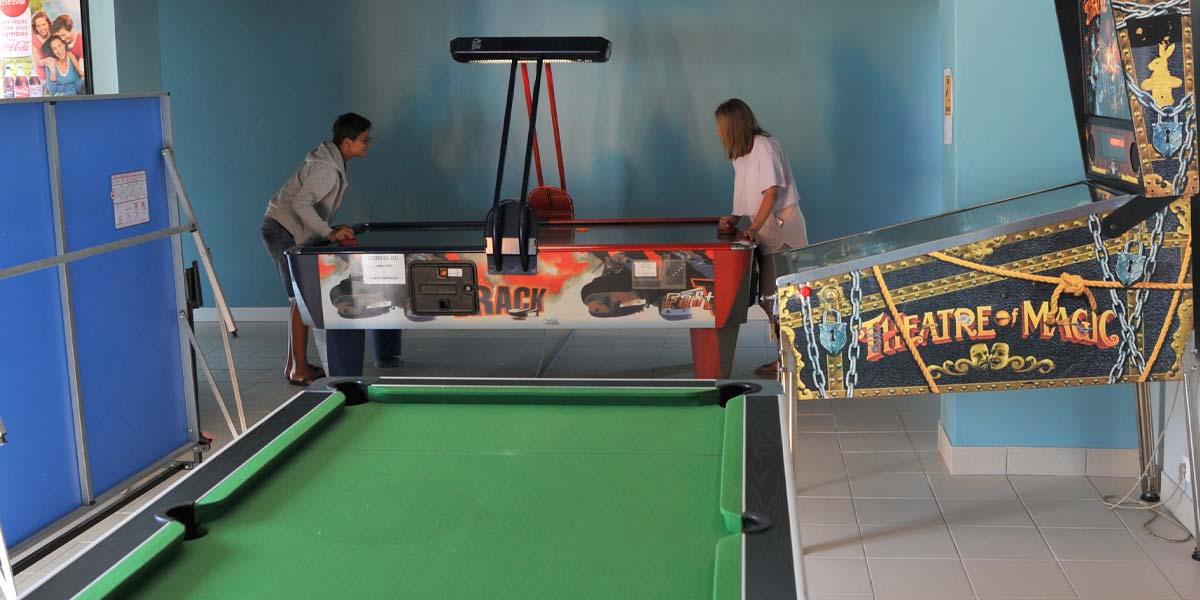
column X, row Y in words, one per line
column 341, row 233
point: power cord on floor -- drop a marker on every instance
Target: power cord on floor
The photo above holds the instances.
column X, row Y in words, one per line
column 1156, row 508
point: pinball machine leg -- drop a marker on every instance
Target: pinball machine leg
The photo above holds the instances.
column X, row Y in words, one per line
column 1151, row 471
column 1189, row 414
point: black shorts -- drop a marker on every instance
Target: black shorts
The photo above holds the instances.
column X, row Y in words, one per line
column 277, row 240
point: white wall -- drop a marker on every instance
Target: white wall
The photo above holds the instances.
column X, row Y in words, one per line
column 1175, row 448
column 102, row 20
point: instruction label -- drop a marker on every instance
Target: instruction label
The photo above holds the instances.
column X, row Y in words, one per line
column 130, row 200
column 645, row 268
column 387, row 269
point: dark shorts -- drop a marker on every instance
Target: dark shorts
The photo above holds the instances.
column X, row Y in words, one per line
column 277, row 240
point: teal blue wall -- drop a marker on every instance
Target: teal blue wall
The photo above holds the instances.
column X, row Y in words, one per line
column 1014, row 134
column 854, row 101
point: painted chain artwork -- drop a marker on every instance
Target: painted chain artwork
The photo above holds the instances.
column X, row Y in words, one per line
column 1155, row 39
column 1049, row 306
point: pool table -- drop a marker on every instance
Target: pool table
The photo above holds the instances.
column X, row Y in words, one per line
column 599, row 273
column 473, row 488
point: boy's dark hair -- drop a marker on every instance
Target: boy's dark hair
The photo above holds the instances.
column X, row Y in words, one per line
column 349, row 126
column 63, row 21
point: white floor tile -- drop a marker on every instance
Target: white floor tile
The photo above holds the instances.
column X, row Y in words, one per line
column 908, row 541
column 1093, row 544
column 815, row 424
column 868, row 463
column 891, row 485
column 920, row 421
column 825, row 511
column 867, row 420
column 876, row 442
column 899, row 512
column 831, row 541
column 1018, row 579
column 822, row 485
column 1119, row 580
column 924, row 441
column 986, row 513
column 1013, row 543
column 910, row 579
column 1073, row 513
column 1055, row 487
column 933, row 463
column 1117, row 486
column 837, row 575
column 972, row 487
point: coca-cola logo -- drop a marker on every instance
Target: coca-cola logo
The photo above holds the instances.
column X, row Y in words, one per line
column 14, row 8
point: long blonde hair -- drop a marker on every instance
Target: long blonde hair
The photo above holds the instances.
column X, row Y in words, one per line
column 738, row 127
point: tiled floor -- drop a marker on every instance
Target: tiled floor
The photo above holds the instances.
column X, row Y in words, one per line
column 880, row 516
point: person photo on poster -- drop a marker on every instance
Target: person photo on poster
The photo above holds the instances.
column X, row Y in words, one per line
column 32, row 62
column 41, row 34
column 64, row 72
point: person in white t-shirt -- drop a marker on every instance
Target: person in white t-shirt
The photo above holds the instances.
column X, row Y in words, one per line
column 766, row 203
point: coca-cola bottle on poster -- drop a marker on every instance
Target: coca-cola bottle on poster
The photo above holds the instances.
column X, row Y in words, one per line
column 35, row 85
column 20, row 84
column 9, row 84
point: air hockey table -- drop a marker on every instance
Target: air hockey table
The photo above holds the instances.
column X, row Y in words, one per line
column 507, row 488
column 590, row 274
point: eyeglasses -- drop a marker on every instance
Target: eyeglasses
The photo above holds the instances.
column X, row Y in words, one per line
column 366, row 140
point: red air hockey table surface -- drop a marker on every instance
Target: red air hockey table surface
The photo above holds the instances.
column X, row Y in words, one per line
column 591, row 274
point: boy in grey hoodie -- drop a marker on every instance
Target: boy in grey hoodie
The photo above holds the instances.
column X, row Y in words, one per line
column 300, row 213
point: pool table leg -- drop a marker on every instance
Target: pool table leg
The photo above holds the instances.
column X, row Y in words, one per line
column 712, row 351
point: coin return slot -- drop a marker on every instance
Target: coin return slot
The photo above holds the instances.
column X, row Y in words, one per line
column 438, row 287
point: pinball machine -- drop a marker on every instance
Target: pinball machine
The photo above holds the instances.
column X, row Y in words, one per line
column 1083, row 284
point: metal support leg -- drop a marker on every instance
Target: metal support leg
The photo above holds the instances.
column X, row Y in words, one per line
column 1153, row 472
column 1190, row 414
column 230, row 327
column 233, row 379
column 191, row 336
column 201, row 248
column 787, row 378
column 8, row 584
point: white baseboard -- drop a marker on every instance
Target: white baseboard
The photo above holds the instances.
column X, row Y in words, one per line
column 1025, row 460
column 280, row 313
column 244, row 313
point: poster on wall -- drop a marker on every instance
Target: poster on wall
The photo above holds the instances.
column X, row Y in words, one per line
column 44, row 49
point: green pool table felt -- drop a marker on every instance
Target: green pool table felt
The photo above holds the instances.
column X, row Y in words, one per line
column 510, row 497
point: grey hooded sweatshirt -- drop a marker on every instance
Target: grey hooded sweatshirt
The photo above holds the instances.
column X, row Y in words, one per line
column 308, row 200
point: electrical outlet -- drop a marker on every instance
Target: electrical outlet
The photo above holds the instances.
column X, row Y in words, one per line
column 1185, row 472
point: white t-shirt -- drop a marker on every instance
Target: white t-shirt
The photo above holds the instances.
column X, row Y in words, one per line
column 763, row 168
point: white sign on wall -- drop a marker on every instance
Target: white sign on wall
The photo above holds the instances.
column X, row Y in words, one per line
column 130, row 199
column 948, row 108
